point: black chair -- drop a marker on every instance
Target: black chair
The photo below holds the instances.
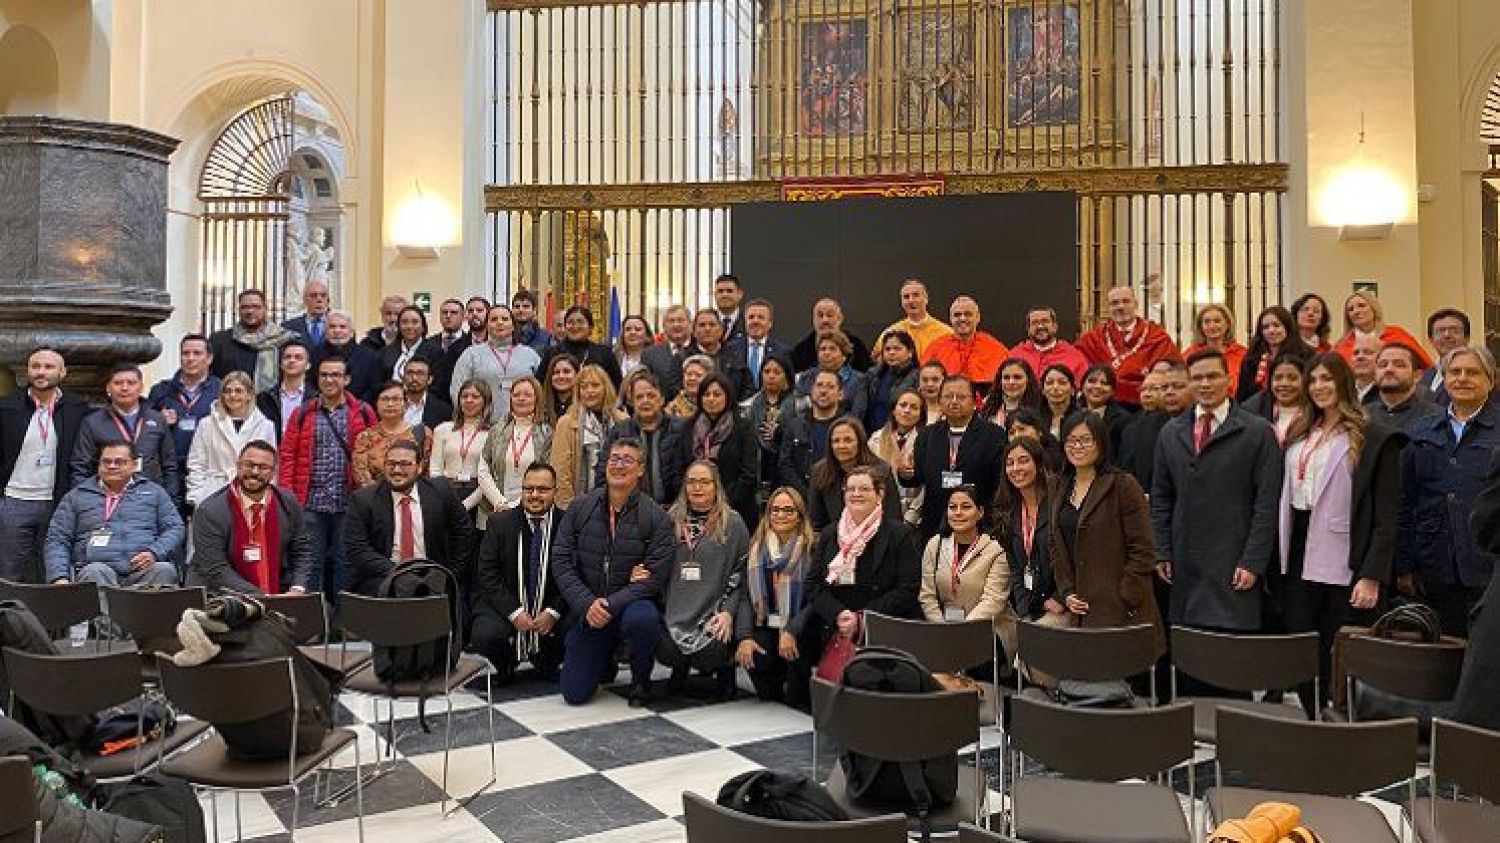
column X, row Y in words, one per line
column 1245, row 663
column 61, row 606
column 708, row 822
column 310, row 614
column 149, row 616
column 20, row 820
column 226, row 694
column 73, row 686
column 972, row 834
column 930, row 726
column 1317, row 766
column 1414, row 670
column 407, row 622
column 1087, row 655
column 1468, row 758
column 943, row 648
column 1096, row 749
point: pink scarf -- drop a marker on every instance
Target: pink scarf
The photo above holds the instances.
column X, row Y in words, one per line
column 852, row 540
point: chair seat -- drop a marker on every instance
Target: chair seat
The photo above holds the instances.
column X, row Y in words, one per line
column 122, row 764
column 1457, row 822
column 1052, row 810
column 1033, row 692
column 962, row 809
column 366, row 682
column 1205, row 713
column 209, row 764
column 1334, row 819
column 345, row 661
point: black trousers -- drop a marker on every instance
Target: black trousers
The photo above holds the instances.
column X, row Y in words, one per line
column 1314, row 607
column 494, row 638
column 777, row 680
column 713, row 657
column 1454, row 605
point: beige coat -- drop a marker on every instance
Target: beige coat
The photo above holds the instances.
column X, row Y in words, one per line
column 983, row 585
column 566, row 455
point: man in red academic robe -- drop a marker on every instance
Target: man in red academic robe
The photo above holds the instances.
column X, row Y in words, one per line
column 967, row 351
column 1128, row 344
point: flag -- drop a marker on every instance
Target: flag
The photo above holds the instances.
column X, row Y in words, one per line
column 614, row 315
column 551, row 312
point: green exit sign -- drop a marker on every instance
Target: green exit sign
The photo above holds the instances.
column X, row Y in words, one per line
column 422, row 300
column 1367, row 285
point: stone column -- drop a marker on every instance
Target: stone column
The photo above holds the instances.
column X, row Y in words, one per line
column 83, row 222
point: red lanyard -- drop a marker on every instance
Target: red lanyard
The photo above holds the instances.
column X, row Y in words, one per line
column 189, row 405
column 44, row 419
column 130, row 436
column 959, row 558
column 466, row 442
column 953, row 443
column 111, row 503
column 1309, row 448
column 517, row 450
column 1028, row 529
column 503, row 364
column 612, row 515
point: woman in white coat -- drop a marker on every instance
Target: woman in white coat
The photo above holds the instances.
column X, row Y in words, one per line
column 232, row 423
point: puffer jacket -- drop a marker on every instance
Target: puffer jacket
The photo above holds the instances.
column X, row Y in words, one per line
column 146, row 519
column 295, row 471
column 587, row 562
column 216, row 449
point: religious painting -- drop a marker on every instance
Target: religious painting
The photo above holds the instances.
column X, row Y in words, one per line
column 1044, row 61
column 833, row 92
column 936, row 73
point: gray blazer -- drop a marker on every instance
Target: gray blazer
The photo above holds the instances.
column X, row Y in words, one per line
column 213, row 530
column 1214, row 512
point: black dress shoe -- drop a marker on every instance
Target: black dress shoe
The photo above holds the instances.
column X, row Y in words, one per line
column 640, row 694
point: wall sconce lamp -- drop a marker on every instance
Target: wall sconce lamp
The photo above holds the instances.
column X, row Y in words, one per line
column 421, row 226
column 1364, row 200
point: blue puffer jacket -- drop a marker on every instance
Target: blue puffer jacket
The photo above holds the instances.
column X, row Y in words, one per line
column 146, row 519
column 587, row 562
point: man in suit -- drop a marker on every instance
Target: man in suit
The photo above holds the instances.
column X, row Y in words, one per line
column 1447, row 329
column 1398, row 399
column 402, row 518
column 708, row 339
column 664, row 359
column 361, row 364
column 293, row 390
column 423, row 406
column 38, row 432
column 1215, row 497
column 517, row 608
column 755, row 344
column 962, row 449
column 312, row 325
column 250, row 536
column 476, row 318
column 727, row 297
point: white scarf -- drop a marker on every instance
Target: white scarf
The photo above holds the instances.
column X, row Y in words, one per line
column 852, row 539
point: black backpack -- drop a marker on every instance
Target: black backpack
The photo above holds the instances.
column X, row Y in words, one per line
column 780, row 796
column 20, row 628
column 269, row 635
column 161, row 801
column 913, row 787
column 420, row 662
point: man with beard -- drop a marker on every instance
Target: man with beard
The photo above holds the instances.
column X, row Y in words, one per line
column 1128, row 344
column 1398, row 399
column 1042, row 349
column 403, row 518
column 38, row 432
column 250, row 536
column 528, row 331
column 386, row 333
column 475, row 315
column 252, row 346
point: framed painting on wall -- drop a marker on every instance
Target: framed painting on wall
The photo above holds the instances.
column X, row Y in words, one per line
column 834, row 78
column 936, row 79
column 1044, row 62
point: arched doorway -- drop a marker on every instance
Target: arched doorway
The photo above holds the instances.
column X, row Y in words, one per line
column 271, row 218
column 1489, row 133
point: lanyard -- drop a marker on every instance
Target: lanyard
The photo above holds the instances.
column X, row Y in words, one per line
column 960, row 558
column 1309, row 448
column 953, row 443
column 111, row 503
column 45, row 413
column 1028, row 529
column 517, row 450
column 131, row 436
column 503, row 364
column 182, row 396
column 691, row 538
column 465, row 443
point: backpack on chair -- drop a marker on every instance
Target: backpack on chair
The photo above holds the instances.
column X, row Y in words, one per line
column 430, row 661
column 913, row 787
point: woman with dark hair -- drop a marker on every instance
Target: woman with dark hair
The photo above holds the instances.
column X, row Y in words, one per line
column 834, row 353
column 930, row 386
column 1027, row 423
column 896, row 373
column 411, row 341
column 896, row 444
column 1059, row 398
column 1275, row 334
column 1103, row 554
column 1286, row 399
column 848, row 449
column 635, row 337
column 1339, row 496
column 367, row 458
column 1098, row 397
column 765, row 409
column 458, row 446
column 1016, row 386
column 1312, row 318
column 1023, row 515
column 1213, row 327
column 717, row 434
column 577, row 342
column 559, row 378
column 965, row 573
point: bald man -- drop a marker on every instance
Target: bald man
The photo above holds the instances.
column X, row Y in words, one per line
column 828, row 315
column 968, row 351
column 38, row 429
column 1128, row 344
column 923, row 326
column 312, row 325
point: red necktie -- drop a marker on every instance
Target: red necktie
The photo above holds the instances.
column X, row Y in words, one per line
column 1204, row 431
column 408, row 539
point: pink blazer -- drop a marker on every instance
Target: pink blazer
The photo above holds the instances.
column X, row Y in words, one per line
column 1328, row 529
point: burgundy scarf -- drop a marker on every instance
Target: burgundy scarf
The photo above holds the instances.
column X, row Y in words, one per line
column 265, row 574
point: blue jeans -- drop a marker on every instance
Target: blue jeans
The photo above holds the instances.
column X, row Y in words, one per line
column 589, row 650
column 330, row 565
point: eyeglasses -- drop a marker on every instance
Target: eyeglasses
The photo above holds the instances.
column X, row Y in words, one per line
column 256, row 468
column 783, row 510
column 536, row 490
column 1079, row 442
column 400, row 464
column 330, row 375
column 115, row 462
column 623, row 460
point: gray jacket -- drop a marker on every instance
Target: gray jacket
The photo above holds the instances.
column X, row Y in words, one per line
column 719, row 585
column 146, row 519
column 213, row 530
column 154, row 445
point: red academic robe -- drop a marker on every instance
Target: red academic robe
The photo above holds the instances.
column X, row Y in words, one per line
column 978, row 359
column 1391, row 335
column 1131, row 354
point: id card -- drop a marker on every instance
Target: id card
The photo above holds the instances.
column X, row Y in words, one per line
column 846, row 576
column 252, row 554
column 953, row 479
column 465, row 477
column 100, row 538
column 44, row 461
column 140, row 465
column 1028, row 579
column 954, row 614
column 187, row 424
column 692, row 573
column 775, row 620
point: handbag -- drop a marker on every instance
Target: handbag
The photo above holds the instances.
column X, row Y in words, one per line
column 837, row 654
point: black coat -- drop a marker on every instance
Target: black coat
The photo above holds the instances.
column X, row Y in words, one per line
column 887, row 578
column 1377, row 498
column 739, row 467
column 442, row 372
column 428, row 349
column 154, row 445
column 666, row 366
column 435, row 411
column 212, row 530
column 586, row 353
column 1478, row 699
column 795, row 462
column 298, row 325
column 497, row 577
column 15, row 417
column 827, row 505
column 740, row 345
column 979, row 461
column 370, row 531
column 1029, row 603
column 363, row 366
column 674, row 443
column 230, row 355
column 269, row 401
column 589, row 561
column 805, row 353
column 1137, row 452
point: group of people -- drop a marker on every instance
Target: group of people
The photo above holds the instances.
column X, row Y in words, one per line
column 716, row 498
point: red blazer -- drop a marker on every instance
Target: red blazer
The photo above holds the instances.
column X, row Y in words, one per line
column 295, row 473
column 1391, row 334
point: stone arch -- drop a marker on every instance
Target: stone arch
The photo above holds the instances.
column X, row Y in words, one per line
column 29, row 72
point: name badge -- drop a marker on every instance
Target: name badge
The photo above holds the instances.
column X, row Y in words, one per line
column 187, row 423
column 44, row 461
column 846, row 576
column 465, row 477
column 953, row 479
column 1029, row 580
column 100, row 538
column 140, row 464
column 775, row 620
column 252, row 554
column 692, row 573
column 954, row 614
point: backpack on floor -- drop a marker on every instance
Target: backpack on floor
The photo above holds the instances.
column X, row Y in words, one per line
column 160, row 801
column 777, row 795
column 429, row 661
column 20, row 628
column 914, row 787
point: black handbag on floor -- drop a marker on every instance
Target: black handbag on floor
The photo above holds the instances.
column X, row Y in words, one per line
column 161, row 801
column 775, row 795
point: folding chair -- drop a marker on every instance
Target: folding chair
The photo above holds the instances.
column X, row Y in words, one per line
column 310, row 614
column 19, row 818
column 1468, row 758
column 61, row 606
column 149, row 616
column 708, row 822
column 1246, row 663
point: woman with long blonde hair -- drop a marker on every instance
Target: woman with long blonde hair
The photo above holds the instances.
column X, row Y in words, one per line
column 1213, row 327
column 578, row 440
column 1363, row 314
column 779, row 663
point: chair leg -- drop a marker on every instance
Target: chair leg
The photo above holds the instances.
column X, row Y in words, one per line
column 359, row 794
column 296, row 805
column 239, row 825
column 213, row 809
column 447, row 749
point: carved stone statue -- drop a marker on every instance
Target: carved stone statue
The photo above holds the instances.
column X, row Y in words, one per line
column 308, row 258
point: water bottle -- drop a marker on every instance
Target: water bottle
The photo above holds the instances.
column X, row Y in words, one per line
column 78, row 634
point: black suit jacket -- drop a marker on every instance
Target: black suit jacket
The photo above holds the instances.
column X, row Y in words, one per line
column 740, row 346
column 666, row 366
column 363, row 365
column 497, row 585
column 428, row 349
column 268, row 401
column 979, row 461
column 15, row 417
column 299, row 324
column 370, row 531
column 434, row 412
column 442, row 382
